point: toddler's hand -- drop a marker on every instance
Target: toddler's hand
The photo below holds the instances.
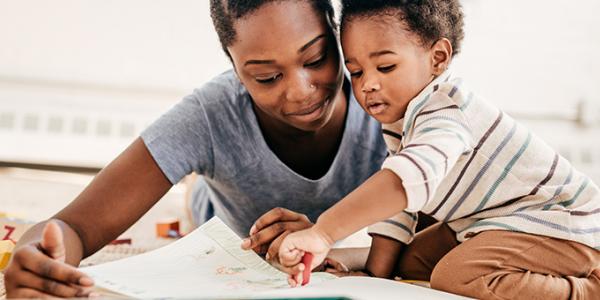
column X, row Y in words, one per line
column 295, row 245
column 270, row 229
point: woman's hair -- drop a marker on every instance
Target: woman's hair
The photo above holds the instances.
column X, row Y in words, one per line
column 225, row 12
column 430, row 20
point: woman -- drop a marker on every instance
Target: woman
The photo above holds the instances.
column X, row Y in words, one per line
column 280, row 130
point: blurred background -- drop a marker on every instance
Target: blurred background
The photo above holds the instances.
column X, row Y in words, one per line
column 79, row 80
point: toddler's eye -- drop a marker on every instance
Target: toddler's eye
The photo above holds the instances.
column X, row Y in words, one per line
column 356, row 74
column 386, row 68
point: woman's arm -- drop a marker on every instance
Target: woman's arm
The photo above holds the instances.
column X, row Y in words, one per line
column 121, row 193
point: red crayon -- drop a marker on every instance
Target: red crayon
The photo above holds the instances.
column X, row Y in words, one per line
column 307, row 261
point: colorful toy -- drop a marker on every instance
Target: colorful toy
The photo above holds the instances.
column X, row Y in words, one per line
column 307, row 261
column 121, row 242
column 168, row 228
column 6, row 248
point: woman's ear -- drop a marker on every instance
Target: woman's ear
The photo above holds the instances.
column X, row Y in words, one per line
column 441, row 56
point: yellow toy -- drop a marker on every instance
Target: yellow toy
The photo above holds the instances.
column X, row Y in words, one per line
column 6, row 248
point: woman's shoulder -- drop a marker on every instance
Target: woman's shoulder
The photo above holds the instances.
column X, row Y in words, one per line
column 223, row 98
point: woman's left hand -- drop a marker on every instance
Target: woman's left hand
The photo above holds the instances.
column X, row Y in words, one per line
column 270, row 229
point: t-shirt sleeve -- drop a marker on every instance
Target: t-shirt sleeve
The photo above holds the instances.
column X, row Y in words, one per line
column 439, row 135
column 400, row 227
column 180, row 141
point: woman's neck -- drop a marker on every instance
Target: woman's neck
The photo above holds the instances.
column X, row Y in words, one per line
column 308, row 153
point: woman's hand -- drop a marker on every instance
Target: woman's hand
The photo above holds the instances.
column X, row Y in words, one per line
column 270, row 229
column 38, row 270
column 296, row 245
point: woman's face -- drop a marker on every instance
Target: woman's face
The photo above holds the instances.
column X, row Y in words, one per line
column 288, row 59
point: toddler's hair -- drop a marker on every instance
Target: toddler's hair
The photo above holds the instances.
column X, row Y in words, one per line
column 430, row 20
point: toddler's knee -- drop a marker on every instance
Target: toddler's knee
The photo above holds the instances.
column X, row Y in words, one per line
column 448, row 277
column 481, row 283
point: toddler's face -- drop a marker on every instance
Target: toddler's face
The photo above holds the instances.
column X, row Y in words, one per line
column 387, row 63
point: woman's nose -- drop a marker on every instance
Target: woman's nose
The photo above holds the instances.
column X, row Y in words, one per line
column 300, row 88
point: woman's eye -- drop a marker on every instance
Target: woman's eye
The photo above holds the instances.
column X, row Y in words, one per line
column 315, row 63
column 269, row 79
column 386, row 68
column 356, row 74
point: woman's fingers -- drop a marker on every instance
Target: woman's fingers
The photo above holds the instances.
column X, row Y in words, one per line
column 32, row 273
column 27, row 293
column 268, row 234
column 271, row 225
column 52, row 241
column 276, row 215
column 38, row 263
column 50, row 286
column 273, row 250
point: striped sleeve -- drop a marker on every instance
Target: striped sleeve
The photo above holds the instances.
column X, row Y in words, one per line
column 400, row 227
column 438, row 135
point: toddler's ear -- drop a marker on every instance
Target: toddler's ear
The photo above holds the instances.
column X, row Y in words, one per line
column 441, row 55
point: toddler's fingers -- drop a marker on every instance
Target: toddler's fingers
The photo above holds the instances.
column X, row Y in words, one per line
column 292, row 281
column 285, row 259
column 290, row 257
column 297, row 279
column 294, row 270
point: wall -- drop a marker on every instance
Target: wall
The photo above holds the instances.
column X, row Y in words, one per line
column 111, row 67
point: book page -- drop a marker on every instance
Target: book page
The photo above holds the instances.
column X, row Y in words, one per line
column 362, row 288
column 206, row 263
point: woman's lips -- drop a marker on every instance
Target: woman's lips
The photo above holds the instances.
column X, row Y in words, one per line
column 311, row 113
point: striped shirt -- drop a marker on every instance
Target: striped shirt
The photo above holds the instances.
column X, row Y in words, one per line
column 465, row 162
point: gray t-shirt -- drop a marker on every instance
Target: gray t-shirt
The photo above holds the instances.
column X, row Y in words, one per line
column 214, row 132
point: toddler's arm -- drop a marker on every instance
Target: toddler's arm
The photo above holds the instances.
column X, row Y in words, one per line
column 347, row 216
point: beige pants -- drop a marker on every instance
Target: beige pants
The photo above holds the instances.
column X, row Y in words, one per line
column 502, row 265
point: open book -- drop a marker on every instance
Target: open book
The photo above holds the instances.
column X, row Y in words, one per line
column 209, row 263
